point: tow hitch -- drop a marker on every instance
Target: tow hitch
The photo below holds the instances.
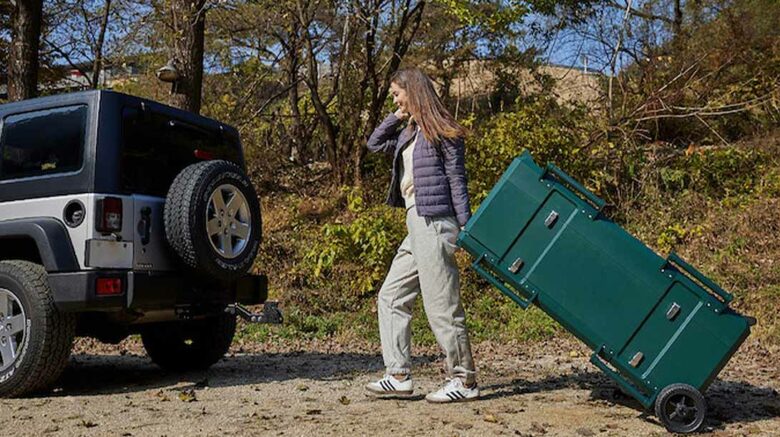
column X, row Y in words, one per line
column 270, row 314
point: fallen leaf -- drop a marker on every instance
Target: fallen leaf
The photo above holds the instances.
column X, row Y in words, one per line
column 491, row 418
column 88, row 423
column 302, row 387
column 344, row 400
column 538, row 429
column 574, row 354
column 187, row 396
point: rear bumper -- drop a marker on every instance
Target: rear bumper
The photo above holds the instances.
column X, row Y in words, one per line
column 75, row 292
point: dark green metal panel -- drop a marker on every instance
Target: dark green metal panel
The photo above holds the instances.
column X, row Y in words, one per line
column 516, row 203
column 539, row 238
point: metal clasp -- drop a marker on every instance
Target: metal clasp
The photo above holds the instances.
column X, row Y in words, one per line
column 637, row 359
column 672, row 312
column 551, row 219
column 517, row 265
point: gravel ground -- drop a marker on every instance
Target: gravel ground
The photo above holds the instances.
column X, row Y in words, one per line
column 316, row 388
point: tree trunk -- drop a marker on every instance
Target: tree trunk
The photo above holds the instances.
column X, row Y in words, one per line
column 23, row 56
column 299, row 138
column 189, row 23
column 331, row 131
column 297, row 143
column 97, row 66
column 678, row 18
column 379, row 85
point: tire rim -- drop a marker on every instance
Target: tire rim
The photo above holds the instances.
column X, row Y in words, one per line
column 228, row 221
column 13, row 328
column 681, row 410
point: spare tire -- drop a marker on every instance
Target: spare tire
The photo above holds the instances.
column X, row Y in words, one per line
column 212, row 219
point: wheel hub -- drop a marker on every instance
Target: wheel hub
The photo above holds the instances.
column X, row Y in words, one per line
column 682, row 411
column 13, row 328
column 228, row 221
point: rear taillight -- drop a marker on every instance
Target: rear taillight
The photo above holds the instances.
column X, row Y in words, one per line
column 109, row 215
column 108, row 286
column 204, row 155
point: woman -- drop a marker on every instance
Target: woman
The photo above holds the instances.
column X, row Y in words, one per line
column 429, row 180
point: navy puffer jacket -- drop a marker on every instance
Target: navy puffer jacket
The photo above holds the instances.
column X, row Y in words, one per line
column 439, row 172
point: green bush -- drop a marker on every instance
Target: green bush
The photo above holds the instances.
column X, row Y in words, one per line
column 716, row 173
column 349, row 258
column 551, row 133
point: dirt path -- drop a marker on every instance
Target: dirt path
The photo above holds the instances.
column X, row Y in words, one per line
column 314, row 388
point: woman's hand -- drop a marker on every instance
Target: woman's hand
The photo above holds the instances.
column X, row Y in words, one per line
column 401, row 115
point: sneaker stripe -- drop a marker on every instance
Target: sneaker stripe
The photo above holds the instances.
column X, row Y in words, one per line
column 451, row 396
column 386, row 385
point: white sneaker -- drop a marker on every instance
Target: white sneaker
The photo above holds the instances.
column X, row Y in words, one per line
column 453, row 391
column 390, row 386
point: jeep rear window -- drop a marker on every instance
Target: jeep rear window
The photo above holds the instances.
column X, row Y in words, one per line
column 43, row 142
column 157, row 147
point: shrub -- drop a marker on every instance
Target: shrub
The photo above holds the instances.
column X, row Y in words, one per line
column 349, row 258
column 716, row 173
column 507, row 134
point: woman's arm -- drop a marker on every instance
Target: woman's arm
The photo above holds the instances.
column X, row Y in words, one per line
column 455, row 170
column 385, row 136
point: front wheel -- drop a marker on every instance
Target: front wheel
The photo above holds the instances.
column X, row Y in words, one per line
column 681, row 408
column 35, row 338
column 191, row 344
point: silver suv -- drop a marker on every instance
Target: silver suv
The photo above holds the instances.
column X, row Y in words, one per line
column 120, row 216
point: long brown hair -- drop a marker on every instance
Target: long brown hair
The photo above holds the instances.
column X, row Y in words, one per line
column 436, row 123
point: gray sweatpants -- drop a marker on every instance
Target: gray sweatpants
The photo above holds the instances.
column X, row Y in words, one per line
column 425, row 262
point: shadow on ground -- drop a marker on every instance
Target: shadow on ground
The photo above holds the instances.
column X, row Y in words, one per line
column 728, row 401
column 107, row 374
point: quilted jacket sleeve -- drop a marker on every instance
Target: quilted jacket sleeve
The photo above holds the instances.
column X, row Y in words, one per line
column 385, row 136
column 455, row 170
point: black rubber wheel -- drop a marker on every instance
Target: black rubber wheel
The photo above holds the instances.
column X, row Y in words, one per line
column 681, row 408
column 189, row 345
column 212, row 219
column 35, row 339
